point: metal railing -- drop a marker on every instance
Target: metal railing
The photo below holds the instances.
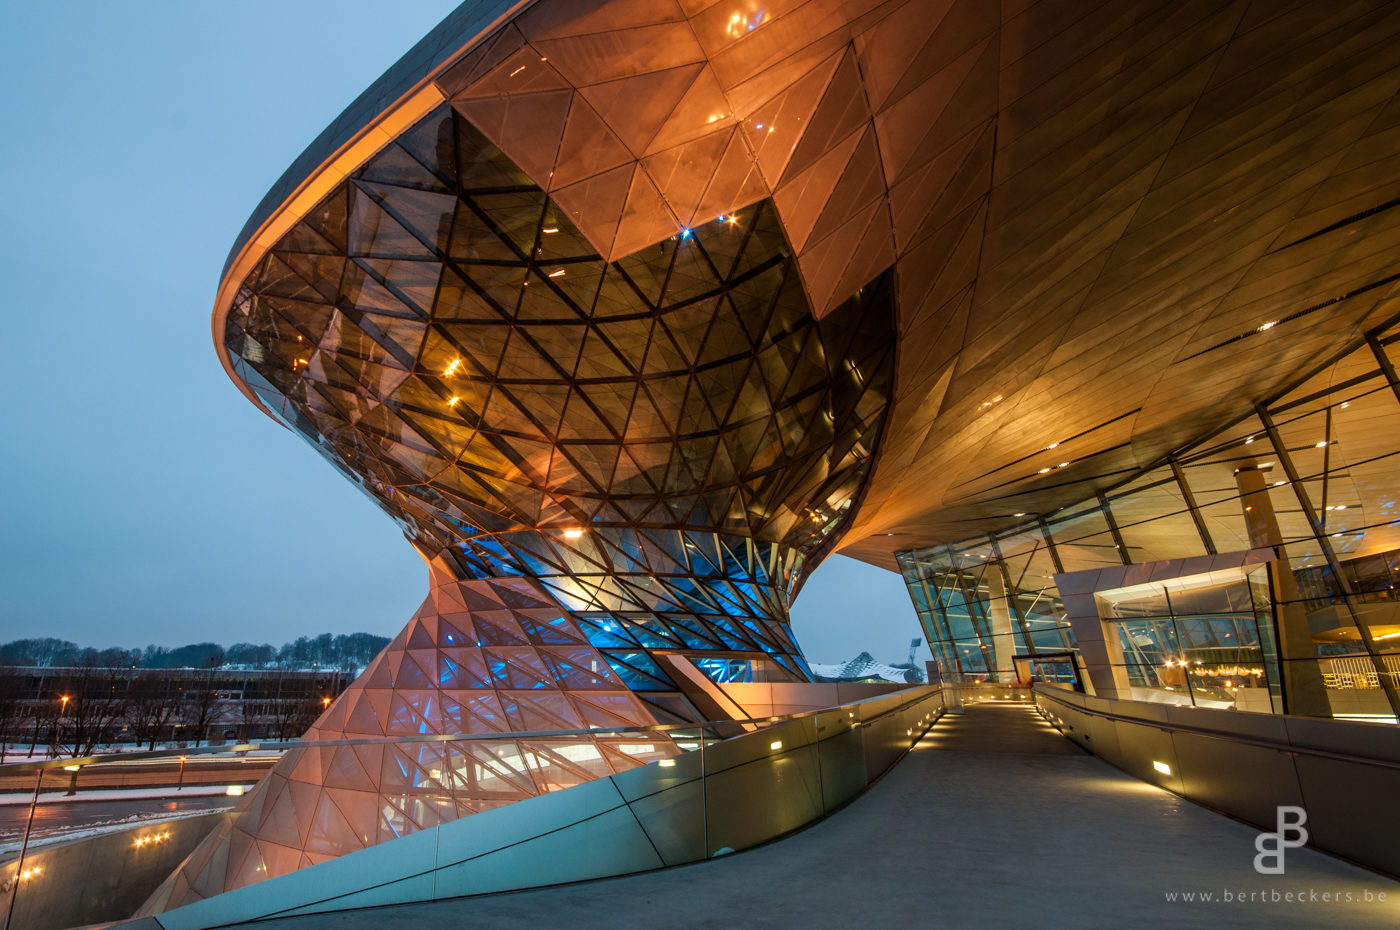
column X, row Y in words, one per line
column 757, row 778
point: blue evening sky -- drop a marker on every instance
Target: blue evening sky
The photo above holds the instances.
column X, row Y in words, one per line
column 144, row 500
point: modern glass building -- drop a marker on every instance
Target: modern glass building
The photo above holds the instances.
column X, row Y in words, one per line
column 1308, row 476
column 628, row 315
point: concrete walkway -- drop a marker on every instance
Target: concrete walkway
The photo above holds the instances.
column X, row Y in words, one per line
column 993, row 820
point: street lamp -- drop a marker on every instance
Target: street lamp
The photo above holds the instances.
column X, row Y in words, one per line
column 63, row 700
column 180, row 783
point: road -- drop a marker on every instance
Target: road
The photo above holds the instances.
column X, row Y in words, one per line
column 211, row 770
column 56, row 818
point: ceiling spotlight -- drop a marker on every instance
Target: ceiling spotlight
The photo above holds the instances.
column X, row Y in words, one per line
column 573, row 533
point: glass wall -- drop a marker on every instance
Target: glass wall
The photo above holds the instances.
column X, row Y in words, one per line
column 1311, row 474
column 1199, row 639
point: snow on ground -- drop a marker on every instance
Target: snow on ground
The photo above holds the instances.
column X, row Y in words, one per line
column 121, row 794
column 38, row 841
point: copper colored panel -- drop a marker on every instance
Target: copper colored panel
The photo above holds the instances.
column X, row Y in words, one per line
column 907, row 123
column 595, row 205
column 860, row 183
column 841, row 111
column 701, row 110
column 817, row 27
column 480, row 60
column 589, row 147
column 912, row 199
column 608, row 56
column 802, row 198
column 636, row 107
column 889, row 47
column 523, row 72
column 645, row 219
column 824, row 263
column 584, row 17
column 871, row 256
column 683, row 172
column 737, row 182
column 776, row 126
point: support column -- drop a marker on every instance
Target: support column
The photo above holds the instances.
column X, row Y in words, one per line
column 1003, row 639
column 1303, row 690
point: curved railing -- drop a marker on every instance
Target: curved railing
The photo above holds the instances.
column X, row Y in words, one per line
column 733, row 785
column 1248, row 765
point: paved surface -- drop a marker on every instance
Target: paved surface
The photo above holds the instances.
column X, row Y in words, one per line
column 54, row 819
column 994, row 819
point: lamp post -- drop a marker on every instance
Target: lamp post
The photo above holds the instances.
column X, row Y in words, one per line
column 63, row 700
column 180, row 783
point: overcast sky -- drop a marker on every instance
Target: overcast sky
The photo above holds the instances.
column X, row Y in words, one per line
column 144, row 500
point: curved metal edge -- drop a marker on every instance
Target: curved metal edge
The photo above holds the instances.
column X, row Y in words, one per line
column 348, row 142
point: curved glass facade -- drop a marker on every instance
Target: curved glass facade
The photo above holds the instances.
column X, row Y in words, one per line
column 663, row 441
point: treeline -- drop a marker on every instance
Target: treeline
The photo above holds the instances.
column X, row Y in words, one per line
column 346, row 651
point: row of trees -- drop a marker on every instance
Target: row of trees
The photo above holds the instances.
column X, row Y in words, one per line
column 347, row 652
column 85, row 707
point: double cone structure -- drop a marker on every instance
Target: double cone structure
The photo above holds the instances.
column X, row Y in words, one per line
column 629, row 313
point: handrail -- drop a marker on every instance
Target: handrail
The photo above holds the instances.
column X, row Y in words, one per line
column 1260, row 742
column 16, row 768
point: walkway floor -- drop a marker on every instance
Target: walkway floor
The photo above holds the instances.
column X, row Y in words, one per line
column 994, row 820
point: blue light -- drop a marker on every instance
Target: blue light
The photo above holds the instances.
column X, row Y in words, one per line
column 685, row 233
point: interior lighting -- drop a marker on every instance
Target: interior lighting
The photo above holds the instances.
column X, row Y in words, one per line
column 452, row 367
column 550, row 230
column 1322, row 445
column 666, row 763
column 1053, row 445
column 1267, row 326
column 1062, row 465
column 1162, row 767
column 776, row 745
column 1042, row 471
column 454, row 401
column 1018, row 514
column 234, row 791
column 573, row 533
column 557, row 273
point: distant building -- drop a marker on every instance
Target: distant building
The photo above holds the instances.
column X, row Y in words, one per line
column 864, row 668
column 84, row 707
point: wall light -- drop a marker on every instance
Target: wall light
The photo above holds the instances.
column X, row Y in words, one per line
column 776, row 745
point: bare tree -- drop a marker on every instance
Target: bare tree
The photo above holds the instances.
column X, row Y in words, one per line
column 12, row 706
column 202, row 705
column 152, row 703
column 96, row 701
